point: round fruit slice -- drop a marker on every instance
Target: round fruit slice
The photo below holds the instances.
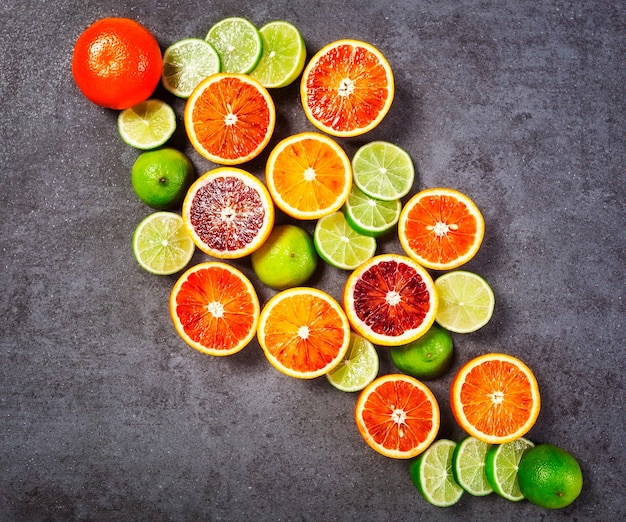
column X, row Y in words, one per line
column 390, row 300
column 398, row 416
column 228, row 212
column 347, row 88
column 229, row 118
column 303, row 332
column 501, row 465
column 370, row 216
column 308, row 175
column 147, row 125
column 441, row 228
column 495, row 398
column 468, row 466
column 358, row 368
column 238, row 43
column 215, row 308
column 186, row 63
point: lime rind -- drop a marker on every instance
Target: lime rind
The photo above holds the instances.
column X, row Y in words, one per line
column 238, row 43
column 147, row 125
column 186, row 63
column 468, row 466
column 370, row 216
column 501, row 464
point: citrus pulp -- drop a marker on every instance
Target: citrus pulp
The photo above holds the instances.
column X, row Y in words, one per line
column 468, row 466
column 358, row 368
column 147, row 125
column 186, row 63
column 238, row 43
column 501, row 466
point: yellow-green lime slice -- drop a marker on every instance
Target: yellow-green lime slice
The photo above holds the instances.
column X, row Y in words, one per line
column 147, row 125
column 501, row 463
column 186, row 63
column 238, row 43
column 468, row 466
column 358, row 368
column 370, row 216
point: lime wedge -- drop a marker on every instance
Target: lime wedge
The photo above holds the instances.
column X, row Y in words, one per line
column 147, row 125
column 501, row 463
column 238, row 43
column 186, row 63
column 358, row 368
column 370, row 216
column 468, row 466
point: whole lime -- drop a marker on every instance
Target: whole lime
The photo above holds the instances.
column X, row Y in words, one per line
column 161, row 177
column 427, row 357
column 286, row 259
column 549, row 476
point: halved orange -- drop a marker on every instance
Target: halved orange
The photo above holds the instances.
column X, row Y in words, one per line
column 398, row 416
column 441, row 228
column 229, row 118
column 304, row 332
column 229, row 213
column 215, row 308
column 495, row 398
column 390, row 300
column 347, row 88
column 308, row 175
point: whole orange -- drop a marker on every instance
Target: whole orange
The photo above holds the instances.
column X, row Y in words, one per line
column 116, row 63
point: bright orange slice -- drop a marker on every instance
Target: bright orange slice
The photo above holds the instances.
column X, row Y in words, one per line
column 398, row 416
column 229, row 213
column 441, row 228
column 347, row 88
column 309, row 175
column 390, row 300
column 229, row 118
column 215, row 308
column 303, row 332
column 495, row 398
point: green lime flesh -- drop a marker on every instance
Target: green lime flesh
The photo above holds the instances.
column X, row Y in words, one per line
column 238, row 43
column 501, row 465
column 147, row 125
column 468, row 466
column 370, row 216
column 186, row 63
column 358, row 368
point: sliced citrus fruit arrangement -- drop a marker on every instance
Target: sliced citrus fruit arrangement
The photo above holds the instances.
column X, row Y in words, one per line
column 347, row 88
column 398, row 416
column 370, row 216
column 303, row 332
column 441, row 228
column 228, row 212
column 501, row 465
column 468, row 466
column 495, row 398
column 147, row 125
column 186, row 63
column 390, row 300
column 358, row 368
column 229, row 118
column 215, row 308
column 238, row 43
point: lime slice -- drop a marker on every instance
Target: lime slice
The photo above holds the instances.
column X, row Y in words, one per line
column 238, row 43
column 147, row 125
column 186, row 63
column 370, row 216
column 466, row 301
column 383, row 170
column 468, row 466
column 431, row 473
column 501, row 463
column 339, row 245
column 284, row 55
column 161, row 243
column 358, row 368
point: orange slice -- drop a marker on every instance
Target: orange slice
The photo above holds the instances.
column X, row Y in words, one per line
column 495, row 398
column 390, row 300
column 215, row 308
column 229, row 118
column 228, row 212
column 303, row 332
column 309, row 175
column 347, row 88
column 398, row 416
column 441, row 228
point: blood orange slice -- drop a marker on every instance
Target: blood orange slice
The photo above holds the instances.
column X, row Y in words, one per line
column 390, row 300
column 347, row 88
column 215, row 308
column 398, row 416
column 495, row 398
column 228, row 212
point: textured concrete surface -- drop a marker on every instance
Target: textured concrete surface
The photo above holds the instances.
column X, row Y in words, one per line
column 105, row 414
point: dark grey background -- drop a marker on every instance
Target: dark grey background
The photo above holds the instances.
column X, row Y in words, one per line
column 107, row 415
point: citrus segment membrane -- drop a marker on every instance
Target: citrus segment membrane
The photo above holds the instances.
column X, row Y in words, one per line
column 238, row 43
column 186, row 63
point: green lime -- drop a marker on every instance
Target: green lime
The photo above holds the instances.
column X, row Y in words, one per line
column 383, row 170
column 549, row 476
column 238, row 43
column 432, row 475
column 468, row 466
column 427, row 357
column 501, row 464
column 161, row 177
column 358, row 368
column 186, row 63
column 370, row 216
column 147, row 125
column 161, row 243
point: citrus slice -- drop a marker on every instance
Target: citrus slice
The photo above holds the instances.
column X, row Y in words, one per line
column 215, row 308
column 229, row 118
column 284, row 55
column 390, row 300
column 501, row 465
column 383, row 170
column 161, row 243
column 228, row 212
column 432, row 474
column 339, row 244
column 347, row 88
column 466, row 301
column 495, row 398
column 441, row 228
column 147, row 125
column 186, row 63
column 358, row 368
column 308, row 175
column 304, row 332
column 398, row 416
column 238, row 43
column 370, row 216
column 468, row 466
